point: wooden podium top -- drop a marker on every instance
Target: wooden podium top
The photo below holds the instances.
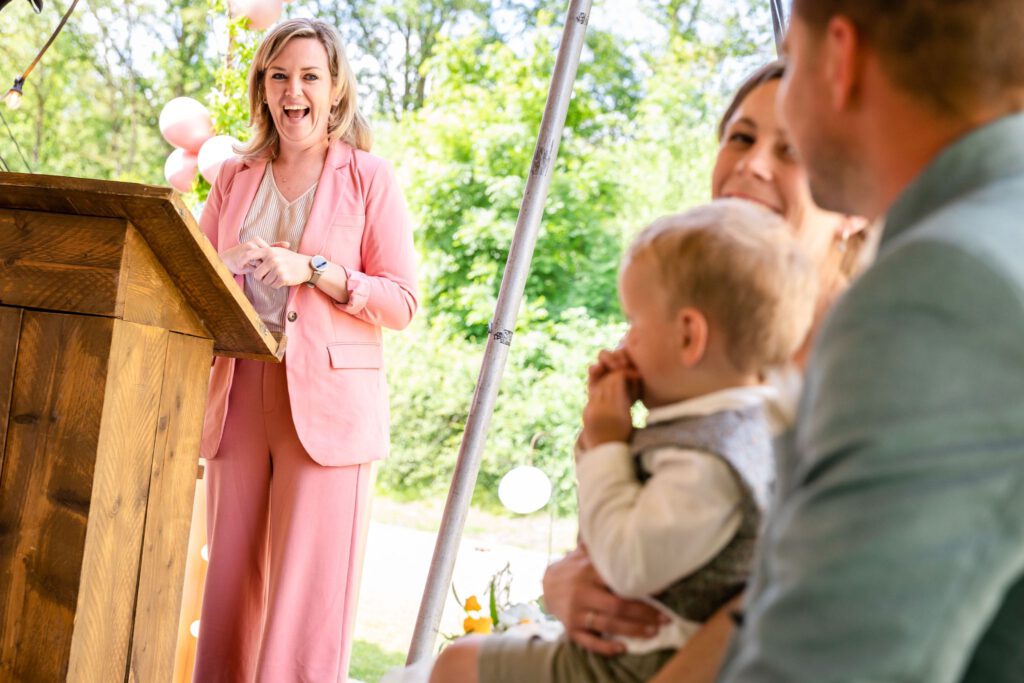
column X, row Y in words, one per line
column 172, row 234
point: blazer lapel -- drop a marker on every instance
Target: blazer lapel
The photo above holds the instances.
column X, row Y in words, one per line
column 329, row 191
column 243, row 191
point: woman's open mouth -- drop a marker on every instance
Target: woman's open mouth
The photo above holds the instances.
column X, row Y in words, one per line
column 295, row 112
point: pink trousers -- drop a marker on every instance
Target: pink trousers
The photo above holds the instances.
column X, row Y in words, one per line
column 284, row 535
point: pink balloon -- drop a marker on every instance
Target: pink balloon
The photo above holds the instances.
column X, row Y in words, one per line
column 262, row 13
column 185, row 123
column 214, row 153
column 180, row 169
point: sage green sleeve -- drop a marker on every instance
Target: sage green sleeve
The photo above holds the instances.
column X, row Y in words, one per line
column 898, row 534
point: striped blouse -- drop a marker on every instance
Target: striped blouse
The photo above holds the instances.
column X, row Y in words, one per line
column 275, row 219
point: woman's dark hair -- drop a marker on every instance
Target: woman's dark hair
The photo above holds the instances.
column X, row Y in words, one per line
column 772, row 71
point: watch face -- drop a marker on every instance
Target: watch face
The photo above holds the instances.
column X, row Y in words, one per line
column 319, row 263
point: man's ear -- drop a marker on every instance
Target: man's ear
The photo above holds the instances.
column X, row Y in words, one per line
column 843, row 61
column 693, row 335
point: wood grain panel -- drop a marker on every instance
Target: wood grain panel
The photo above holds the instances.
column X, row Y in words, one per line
column 151, row 297
column 117, row 515
column 10, row 328
column 171, row 492
column 46, row 486
column 174, row 236
column 60, row 263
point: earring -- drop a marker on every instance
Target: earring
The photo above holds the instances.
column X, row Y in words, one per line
column 843, row 240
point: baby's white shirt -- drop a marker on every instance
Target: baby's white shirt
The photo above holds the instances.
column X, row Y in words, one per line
column 642, row 538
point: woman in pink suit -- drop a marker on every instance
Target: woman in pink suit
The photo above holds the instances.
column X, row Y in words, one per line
column 316, row 231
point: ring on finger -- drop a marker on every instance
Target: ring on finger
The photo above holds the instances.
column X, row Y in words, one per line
column 588, row 620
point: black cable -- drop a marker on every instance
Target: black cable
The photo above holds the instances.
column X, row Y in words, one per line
column 15, row 140
column 4, row 162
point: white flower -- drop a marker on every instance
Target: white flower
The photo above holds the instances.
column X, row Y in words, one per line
column 520, row 613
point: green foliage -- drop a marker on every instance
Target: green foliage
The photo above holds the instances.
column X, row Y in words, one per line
column 466, row 181
column 432, row 373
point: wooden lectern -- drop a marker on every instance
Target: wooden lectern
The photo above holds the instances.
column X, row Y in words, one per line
column 112, row 305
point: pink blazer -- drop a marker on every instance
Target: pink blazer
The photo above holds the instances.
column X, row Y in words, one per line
column 339, row 398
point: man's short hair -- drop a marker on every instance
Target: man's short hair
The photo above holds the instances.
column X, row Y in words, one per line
column 739, row 265
column 952, row 54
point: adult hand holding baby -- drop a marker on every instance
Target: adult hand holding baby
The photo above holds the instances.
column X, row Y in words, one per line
column 591, row 613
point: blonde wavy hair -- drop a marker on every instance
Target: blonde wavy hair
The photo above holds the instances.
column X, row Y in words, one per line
column 346, row 122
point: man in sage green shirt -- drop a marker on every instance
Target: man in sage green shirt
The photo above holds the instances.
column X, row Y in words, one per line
column 895, row 551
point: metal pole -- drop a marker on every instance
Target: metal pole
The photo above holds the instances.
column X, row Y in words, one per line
column 778, row 24
column 499, row 339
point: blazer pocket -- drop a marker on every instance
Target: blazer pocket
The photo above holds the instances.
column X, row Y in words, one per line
column 356, row 355
column 348, row 220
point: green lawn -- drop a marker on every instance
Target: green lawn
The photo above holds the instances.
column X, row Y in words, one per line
column 370, row 662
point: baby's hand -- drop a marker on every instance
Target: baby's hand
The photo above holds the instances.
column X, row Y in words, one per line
column 616, row 361
column 606, row 417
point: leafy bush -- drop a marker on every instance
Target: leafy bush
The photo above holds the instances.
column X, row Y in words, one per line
column 432, row 374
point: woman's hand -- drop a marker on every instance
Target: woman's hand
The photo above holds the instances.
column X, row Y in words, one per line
column 281, row 267
column 590, row 612
column 244, row 258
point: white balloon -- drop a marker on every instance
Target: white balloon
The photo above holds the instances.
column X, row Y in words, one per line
column 185, row 123
column 214, row 153
column 180, row 169
column 524, row 489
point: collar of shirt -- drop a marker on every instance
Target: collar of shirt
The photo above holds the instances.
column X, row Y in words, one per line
column 734, row 398
column 982, row 156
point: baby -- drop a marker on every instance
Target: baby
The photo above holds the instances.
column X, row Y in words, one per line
column 671, row 512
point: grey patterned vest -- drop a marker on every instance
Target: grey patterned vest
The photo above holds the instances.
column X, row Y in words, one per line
column 740, row 438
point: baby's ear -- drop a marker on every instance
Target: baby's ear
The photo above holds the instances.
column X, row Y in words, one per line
column 692, row 329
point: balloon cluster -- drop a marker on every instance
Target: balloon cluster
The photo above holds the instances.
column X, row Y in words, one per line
column 186, row 124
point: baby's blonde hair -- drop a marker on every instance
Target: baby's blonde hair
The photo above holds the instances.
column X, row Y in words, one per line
column 739, row 265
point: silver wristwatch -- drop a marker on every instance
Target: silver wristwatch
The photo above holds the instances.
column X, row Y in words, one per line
column 318, row 264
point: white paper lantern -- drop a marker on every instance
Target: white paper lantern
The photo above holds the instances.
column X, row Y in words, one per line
column 185, row 123
column 524, row 489
column 214, row 153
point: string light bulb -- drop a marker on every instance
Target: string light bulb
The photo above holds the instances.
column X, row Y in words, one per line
column 13, row 97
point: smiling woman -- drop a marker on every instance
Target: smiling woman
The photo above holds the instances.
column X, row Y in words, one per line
column 757, row 162
column 315, row 229
column 311, row 69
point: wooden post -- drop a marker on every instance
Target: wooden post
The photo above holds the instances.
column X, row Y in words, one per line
column 112, row 305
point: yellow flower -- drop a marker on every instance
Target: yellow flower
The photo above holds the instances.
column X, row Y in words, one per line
column 482, row 626
column 472, row 604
